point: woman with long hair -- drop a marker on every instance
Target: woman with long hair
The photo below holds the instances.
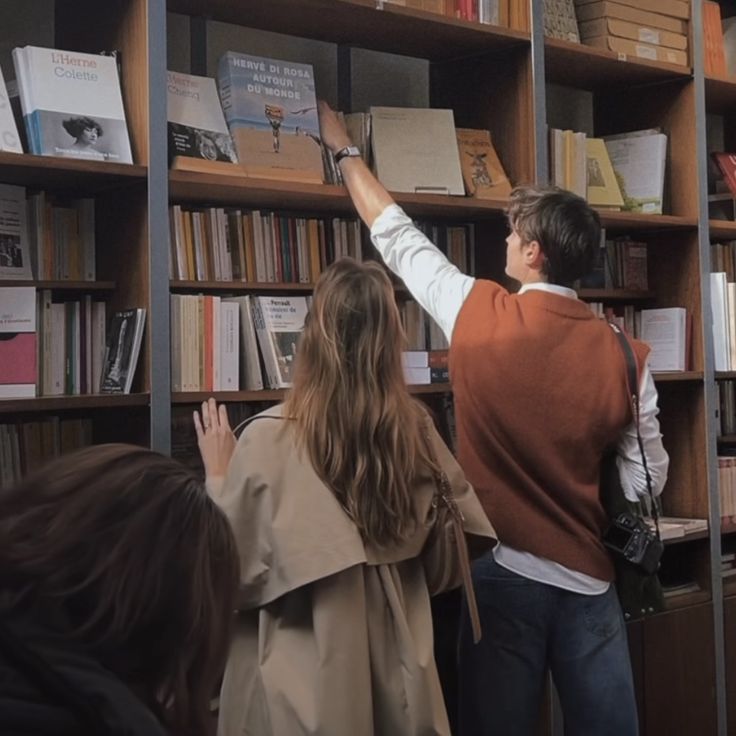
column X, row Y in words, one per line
column 118, row 577
column 335, row 498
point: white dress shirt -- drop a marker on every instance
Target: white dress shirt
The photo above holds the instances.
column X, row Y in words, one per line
column 441, row 288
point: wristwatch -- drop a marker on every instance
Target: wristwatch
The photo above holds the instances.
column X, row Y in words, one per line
column 348, row 151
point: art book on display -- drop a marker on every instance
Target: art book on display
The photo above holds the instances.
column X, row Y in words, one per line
column 271, row 109
column 72, row 104
column 15, row 260
column 121, row 354
column 196, row 125
column 279, row 323
column 17, row 342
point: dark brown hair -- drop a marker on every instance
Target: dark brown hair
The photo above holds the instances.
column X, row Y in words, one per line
column 362, row 430
column 566, row 227
column 125, row 545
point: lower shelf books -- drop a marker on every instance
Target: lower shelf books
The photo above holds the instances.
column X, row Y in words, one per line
column 121, row 354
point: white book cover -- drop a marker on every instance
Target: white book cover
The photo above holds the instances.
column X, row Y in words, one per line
column 664, row 330
column 279, row 323
column 9, row 137
column 197, row 126
column 718, row 305
column 639, row 162
column 229, row 346
column 72, row 104
column 251, row 377
column 15, row 256
column 415, row 150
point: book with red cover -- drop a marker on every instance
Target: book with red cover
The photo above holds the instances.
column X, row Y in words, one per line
column 727, row 164
column 17, row 342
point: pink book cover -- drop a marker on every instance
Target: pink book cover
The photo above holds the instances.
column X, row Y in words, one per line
column 17, row 357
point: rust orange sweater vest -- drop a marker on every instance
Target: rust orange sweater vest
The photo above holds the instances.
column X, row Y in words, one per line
column 540, row 395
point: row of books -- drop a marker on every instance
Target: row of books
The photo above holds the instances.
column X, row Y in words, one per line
column 618, row 172
column 57, row 348
column 648, row 29
column 216, row 244
column 727, row 488
column 510, row 13
column 66, row 104
column 46, row 238
column 621, row 263
column 728, row 565
column 25, row 446
column 250, row 342
column 667, row 332
column 726, row 395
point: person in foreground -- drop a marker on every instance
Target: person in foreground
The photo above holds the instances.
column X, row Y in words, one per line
column 118, row 577
column 540, row 397
column 333, row 497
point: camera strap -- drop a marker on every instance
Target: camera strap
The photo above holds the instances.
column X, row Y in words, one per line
column 632, row 384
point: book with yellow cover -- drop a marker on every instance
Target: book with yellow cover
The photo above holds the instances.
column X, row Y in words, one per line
column 483, row 174
column 603, row 189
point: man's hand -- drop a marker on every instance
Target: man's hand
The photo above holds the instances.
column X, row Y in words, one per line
column 332, row 129
column 215, row 439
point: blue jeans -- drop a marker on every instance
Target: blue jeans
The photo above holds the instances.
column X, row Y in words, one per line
column 528, row 629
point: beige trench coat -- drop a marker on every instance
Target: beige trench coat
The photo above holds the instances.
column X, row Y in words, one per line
column 333, row 637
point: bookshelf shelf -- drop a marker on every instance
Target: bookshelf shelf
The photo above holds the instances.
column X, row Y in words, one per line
column 725, row 375
column 615, row 295
column 727, row 439
column 729, row 588
column 677, row 376
column 194, row 187
column 729, row 528
column 74, row 175
column 704, row 534
column 725, row 229
column 588, row 67
column 635, row 222
column 394, row 29
column 243, row 287
column 195, row 397
column 62, row 285
column 686, row 600
column 64, row 403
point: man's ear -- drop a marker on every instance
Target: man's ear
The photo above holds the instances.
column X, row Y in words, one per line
column 533, row 256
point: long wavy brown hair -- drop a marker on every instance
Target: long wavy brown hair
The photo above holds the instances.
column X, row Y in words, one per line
column 361, row 428
column 124, row 546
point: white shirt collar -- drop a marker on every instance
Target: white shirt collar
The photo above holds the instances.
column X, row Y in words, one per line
column 549, row 288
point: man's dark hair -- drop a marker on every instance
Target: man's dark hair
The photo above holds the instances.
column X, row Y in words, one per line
column 566, row 227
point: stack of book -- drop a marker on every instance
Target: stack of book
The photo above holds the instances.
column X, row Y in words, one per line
column 647, row 29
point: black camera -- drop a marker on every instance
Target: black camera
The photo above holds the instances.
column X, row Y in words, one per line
column 633, row 539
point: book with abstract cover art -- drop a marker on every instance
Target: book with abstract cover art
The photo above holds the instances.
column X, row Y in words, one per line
column 483, row 173
column 121, row 354
column 196, row 125
column 279, row 323
column 9, row 138
column 72, row 104
column 271, row 109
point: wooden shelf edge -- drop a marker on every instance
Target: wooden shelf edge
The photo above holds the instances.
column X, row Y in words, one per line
column 722, row 229
column 72, row 165
column 677, row 376
column 615, row 295
column 239, row 286
column 62, row 285
column 64, row 403
column 703, row 534
column 196, row 397
column 686, row 600
column 638, row 221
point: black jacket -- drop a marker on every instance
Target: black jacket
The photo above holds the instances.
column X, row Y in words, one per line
column 49, row 687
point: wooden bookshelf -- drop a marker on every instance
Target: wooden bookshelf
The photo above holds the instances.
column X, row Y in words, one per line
column 720, row 93
column 677, row 376
column 686, row 600
column 196, row 397
column 615, row 295
column 588, row 67
column 634, row 222
column 67, row 403
column 243, row 287
column 729, row 528
column 86, row 286
column 692, row 537
column 722, row 229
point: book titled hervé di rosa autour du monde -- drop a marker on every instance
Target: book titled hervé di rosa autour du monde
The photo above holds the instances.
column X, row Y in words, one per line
column 271, row 109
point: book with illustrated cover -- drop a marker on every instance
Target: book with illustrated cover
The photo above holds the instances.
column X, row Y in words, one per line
column 279, row 323
column 15, row 258
column 483, row 173
column 121, row 353
column 271, row 109
column 196, row 125
column 72, row 104
column 9, row 137
column 602, row 186
column 17, row 342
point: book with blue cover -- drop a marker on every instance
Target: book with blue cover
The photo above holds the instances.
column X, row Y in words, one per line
column 271, row 109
